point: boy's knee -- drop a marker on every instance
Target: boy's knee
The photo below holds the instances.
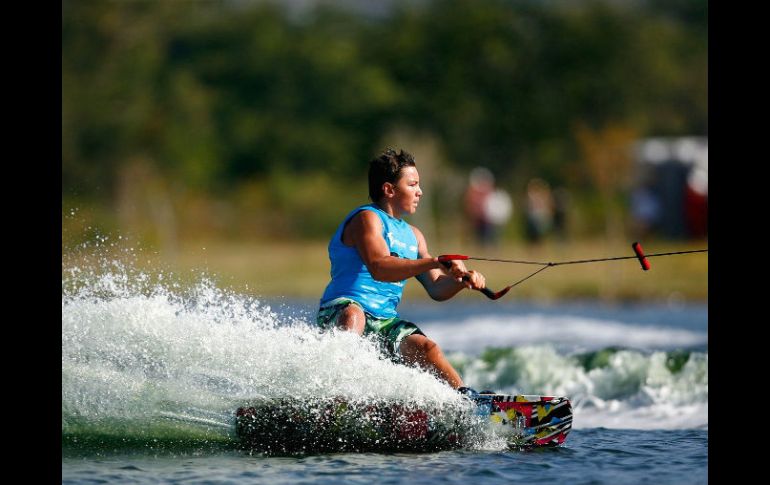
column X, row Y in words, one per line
column 422, row 343
column 352, row 319
column 429, row 345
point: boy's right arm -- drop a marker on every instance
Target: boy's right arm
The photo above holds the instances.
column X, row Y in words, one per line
column 365, row 233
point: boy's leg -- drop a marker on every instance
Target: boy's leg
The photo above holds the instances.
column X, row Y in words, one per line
column 352, row 319
column 342, row 313
column 419, row 349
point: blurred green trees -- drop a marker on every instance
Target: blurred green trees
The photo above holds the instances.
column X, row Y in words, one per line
column 258, row 112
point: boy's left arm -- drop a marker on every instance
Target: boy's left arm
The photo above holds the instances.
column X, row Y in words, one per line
column 444, row 284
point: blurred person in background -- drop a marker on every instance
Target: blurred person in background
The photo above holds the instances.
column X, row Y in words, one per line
column 488, row 208
column 696, row 202
column 540, row 210
column 481, row 184
column 645, row 210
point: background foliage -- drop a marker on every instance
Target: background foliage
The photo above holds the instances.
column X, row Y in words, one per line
column 187, row 119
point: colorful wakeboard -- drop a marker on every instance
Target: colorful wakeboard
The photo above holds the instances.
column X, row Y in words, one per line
column 288, row 426
column 526, row 420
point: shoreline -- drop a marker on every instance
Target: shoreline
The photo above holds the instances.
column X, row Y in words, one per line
column 300, row 269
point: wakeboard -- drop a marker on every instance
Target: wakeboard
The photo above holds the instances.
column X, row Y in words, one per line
column 290, row 425
column 527, row 421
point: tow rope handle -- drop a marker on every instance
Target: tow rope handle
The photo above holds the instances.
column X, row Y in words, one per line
column 446, row 260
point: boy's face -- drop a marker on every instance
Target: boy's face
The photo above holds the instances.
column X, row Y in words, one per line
column 407, row 191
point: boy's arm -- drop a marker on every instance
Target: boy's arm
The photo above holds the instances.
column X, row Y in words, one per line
column 440, row 285
column 365, row 233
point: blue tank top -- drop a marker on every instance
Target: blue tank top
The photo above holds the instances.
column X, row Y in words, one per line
column 351, row 277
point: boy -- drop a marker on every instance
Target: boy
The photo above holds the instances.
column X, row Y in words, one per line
column 372, row 254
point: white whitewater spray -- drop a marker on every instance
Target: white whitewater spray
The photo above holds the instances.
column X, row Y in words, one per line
column 141, row 358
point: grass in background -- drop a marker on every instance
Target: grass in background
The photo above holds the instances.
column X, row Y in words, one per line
column 300, row 269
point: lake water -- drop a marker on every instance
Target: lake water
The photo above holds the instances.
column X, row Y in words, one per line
column 152, row 373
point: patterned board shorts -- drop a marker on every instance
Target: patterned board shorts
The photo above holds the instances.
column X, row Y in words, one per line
column 389, row 332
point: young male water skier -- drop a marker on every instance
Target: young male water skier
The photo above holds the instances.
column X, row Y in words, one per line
column 372, row 254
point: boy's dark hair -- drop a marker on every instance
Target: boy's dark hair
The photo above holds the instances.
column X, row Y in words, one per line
column 387, row 168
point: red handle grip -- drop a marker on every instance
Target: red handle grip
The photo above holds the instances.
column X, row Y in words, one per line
column 444, row 258
column 640, row 256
